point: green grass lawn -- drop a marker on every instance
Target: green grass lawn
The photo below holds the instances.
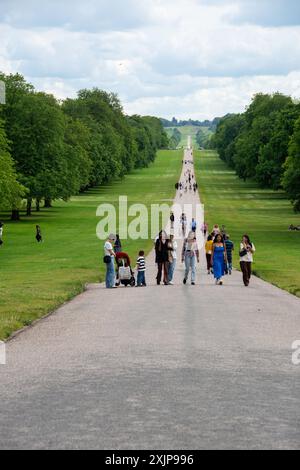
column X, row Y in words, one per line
column 35, row 279
column 264, row 214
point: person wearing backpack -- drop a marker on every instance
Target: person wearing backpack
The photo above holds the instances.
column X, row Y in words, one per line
column 109, row 260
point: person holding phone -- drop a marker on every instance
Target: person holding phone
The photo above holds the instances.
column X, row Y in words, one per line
column 247, row 250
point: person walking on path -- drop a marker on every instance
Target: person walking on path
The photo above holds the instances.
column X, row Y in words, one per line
column 190, row 256
column 208, row 250
column 118, row 245
column 219, row 259
column 183, row 221
column 172, row 258
column 216, row 230
column 229, row 249
column 172, row 220
column 194, row 226
column 109, row 259
column 162, row 258
column 204, row 229
column 141, row 270
column 247, row 249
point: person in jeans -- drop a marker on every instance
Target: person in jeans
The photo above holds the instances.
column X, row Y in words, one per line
column 110, row 266
column 208, row 250
column 141, row 270
column 172, row 258
column 162, row 258
column 190, row 256
column 247, row 249
column 229, row 249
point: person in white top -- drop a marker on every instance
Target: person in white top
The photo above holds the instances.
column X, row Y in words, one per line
column 247, row 249
column 109, row 259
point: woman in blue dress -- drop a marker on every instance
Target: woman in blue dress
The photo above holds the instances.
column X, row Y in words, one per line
column 219, row 259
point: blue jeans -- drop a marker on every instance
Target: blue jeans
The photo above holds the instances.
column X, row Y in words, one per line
column 172, row 267
column 190, row 265
column 141, row 278
column 110, row 274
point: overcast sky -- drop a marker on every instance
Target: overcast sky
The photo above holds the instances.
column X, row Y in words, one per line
column 183, row 58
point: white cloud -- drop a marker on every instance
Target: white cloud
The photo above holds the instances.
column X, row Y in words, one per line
column 180, row 57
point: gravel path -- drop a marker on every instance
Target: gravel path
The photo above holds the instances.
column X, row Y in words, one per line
column 169, row 367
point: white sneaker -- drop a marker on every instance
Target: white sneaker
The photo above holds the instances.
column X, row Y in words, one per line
column 171, row 283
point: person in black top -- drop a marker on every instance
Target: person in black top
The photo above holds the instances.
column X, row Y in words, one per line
column 162, row 258
column 38, row 236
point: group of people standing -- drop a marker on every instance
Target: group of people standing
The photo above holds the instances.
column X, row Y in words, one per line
column 219, row 255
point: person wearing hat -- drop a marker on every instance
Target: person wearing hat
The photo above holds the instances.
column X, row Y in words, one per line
column 109, row 258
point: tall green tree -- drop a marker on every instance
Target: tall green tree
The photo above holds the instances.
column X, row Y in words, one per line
column 291, row 178
column 11, row 191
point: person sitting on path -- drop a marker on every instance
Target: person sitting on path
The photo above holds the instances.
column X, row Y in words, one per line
column 141, row 270
column 109, row 259
column 247, row 249
column 162, row 258
column 190, row 256
column 219, row 259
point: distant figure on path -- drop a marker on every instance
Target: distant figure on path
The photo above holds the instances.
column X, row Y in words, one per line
column 162, row 258
column 109, row 259
column 190, row 256
column 247, row 249
column 194, row 226
column 172, row 258
column 216, row 230
column 219, row 259
column 118, row 245
column 183, row 221
column 38, row 236
column 172, row 220
column 204, row 229
column 141, row 270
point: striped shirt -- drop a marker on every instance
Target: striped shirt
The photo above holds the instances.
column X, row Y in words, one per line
column 141, row 264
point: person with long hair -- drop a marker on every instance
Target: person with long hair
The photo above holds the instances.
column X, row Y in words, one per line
column 247, row 249
column 162, row 258
column 190, row 255
column 219, row 259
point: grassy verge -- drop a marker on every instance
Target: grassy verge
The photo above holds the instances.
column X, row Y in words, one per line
column 264, row 214
column 35, row 279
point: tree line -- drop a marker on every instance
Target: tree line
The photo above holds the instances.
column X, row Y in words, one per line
column 53, row 150
column 264, row 143
column 175, row 139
